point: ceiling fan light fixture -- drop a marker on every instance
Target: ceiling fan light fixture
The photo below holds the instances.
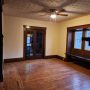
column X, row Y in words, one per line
column 27, row 26
column 53, row 16
column 56, row 11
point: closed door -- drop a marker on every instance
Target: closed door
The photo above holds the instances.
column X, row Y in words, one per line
column 34, row 43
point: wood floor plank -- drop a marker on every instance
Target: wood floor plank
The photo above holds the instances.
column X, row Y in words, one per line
column 45, row 74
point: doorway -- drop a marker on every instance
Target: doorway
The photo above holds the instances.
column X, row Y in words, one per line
column 34, row 42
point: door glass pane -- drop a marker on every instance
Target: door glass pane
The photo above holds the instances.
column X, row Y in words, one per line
column 39, row 40
column 29, row 44
column 87, row 46
column 78, row 40
column 28, row 39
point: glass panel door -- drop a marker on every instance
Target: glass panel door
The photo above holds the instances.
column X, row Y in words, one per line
column 39, row 43
column 34, row 42
column 29, row 44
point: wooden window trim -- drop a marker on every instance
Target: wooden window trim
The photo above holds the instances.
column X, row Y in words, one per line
column 70, row 48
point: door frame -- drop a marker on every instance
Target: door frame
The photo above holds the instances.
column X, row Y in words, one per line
column 1, row 44
column 33, row 28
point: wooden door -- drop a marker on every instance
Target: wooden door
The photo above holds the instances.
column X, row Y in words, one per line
column 34, row 43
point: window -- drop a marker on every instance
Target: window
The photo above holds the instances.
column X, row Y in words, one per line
column 78, row 40
column 78, row 43
column 87, row 46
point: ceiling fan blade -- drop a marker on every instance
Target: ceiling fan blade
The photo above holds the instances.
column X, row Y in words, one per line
column 75, row 12
column 62, row 14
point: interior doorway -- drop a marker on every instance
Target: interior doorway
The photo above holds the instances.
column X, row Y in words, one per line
column 34, row 42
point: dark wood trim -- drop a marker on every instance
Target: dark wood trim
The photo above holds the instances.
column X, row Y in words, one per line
column 72, row 30
column 23, row 42
column 83, row 41
column 79, row 57
column 60, row 57
column 70, row 42
column 1, row 44
column 77, row 27
column 31, row 29
column 50, row 56
column 10, row 60
column 81, row 52
column 70, row 36
column 54, row 56
column 83, row 61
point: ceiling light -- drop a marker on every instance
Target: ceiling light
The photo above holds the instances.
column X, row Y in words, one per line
column 56, row 11
column 53, row 16
column 27, row 26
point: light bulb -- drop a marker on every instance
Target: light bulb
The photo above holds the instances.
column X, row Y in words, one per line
column 53, row 16
column 27, row 26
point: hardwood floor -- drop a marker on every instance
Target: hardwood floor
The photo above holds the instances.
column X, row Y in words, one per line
column 45, row 74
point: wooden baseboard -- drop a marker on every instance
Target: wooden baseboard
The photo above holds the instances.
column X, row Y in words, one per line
column 54, row 56
column 60, row 57
column 50, row 56
column 21, row 59
column 13, row 60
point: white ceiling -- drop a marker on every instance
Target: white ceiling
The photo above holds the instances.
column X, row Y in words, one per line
column 32, row 8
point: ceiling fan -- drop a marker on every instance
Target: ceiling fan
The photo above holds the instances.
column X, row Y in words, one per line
column 54, row 11
column 51, row 12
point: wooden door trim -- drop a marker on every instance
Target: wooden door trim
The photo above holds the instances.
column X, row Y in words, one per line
column 34, row 28
column 69, row 46
column 1, row 44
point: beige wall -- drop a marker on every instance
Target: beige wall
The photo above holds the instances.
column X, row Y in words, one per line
column 13, row 36
column 62, row 27
column 55, row 35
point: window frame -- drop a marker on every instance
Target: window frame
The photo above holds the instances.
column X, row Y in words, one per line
column 83, row 42
column 70, row 41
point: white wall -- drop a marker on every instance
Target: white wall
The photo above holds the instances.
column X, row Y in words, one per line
column 62, row 27
column 13, row 36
